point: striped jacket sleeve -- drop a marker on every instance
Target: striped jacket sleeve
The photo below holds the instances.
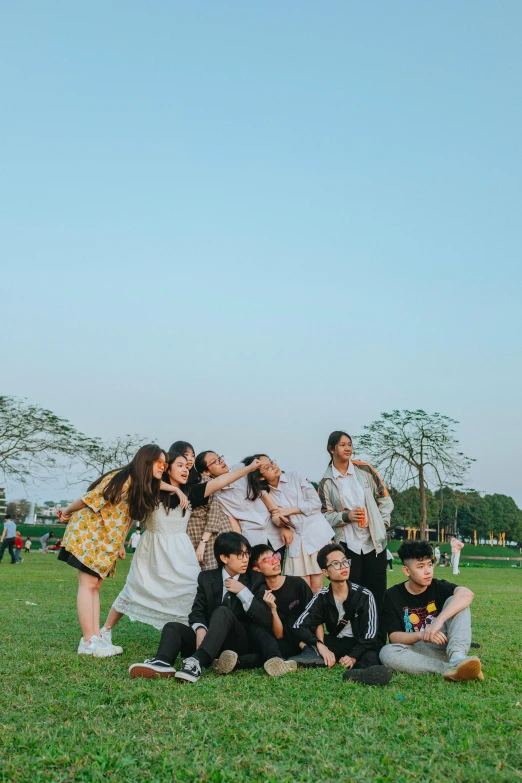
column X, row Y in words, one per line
column 367, row 627
column 334, row 517
column 380, row 493
column 313, row 615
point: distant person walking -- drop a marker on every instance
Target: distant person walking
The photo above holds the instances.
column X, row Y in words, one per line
column 456, row 547
column 389, row 559
column 44, row 539
column 7, row 541
column 437, row 555
column 28, row 544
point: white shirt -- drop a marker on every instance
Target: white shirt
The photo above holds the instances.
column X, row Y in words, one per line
column 313, row 530
column 347, row 629
column 357, row 539
column 245, row 596
column 252, row 515
column 135, row 539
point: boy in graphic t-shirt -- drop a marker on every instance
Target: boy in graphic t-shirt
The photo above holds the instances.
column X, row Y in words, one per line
column 428, row 621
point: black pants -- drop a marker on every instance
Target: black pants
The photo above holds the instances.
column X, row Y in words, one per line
column 390, row 565
column 8, row 543
column 369, row 571
column 344, row 645
column 267, row 646
column 225, row 632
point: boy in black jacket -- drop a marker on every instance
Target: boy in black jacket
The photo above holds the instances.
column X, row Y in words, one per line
column 350, row 615
column 228, row 604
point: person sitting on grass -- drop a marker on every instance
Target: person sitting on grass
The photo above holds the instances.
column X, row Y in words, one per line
column 350, row 615
column 287, row 597
column 228, row 602
column 428, row 621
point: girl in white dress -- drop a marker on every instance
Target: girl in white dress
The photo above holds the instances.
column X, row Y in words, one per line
column 162, row 580
column 297, row 501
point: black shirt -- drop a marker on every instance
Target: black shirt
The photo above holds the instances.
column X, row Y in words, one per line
column 292, row 598
column 195, row 494
column 409, row 613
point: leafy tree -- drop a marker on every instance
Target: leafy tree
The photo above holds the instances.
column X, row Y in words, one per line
column 34, row 442
column 407, row 507
column 414, row 447
column 101, row 456
column 18, row 509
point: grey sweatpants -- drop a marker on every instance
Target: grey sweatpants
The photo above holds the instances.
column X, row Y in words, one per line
column 429, row 658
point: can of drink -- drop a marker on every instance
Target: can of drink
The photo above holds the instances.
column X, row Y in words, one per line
column 362, row 518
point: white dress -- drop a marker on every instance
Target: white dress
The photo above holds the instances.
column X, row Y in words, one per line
column 162, row 580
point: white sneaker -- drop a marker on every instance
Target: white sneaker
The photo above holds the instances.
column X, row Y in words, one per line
column 87, row 648
column 103, row 648
column 106, row 635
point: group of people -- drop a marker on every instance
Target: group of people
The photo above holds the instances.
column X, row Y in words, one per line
column 443, row 560
column 232, row 563
column 11, row 540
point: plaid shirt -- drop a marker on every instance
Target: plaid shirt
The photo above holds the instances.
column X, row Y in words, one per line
column 208, row 519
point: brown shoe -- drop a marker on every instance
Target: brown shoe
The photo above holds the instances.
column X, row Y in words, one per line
column 468, row 669
column 276, row 667
column 226, row 662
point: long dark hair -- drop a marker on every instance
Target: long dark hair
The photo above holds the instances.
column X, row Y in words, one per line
column 170, row 499
column 333, row 440
column 180, row 448
column 256, row 483
column 144, row 490
column 200, row 463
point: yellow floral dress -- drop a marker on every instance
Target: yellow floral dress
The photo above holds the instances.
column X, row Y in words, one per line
column 95, row 534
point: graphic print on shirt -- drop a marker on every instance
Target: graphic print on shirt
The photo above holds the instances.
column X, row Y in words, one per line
column 418, row 618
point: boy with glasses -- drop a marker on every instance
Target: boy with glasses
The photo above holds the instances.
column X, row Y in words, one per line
column 350, row 616
column 228, row 602
column 287, row 597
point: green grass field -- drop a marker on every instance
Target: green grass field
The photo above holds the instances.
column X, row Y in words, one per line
column 68, row 718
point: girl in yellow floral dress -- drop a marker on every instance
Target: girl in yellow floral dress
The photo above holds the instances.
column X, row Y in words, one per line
column 95, row 535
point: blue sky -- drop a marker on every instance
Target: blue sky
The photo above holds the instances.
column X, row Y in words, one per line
column 248, row 224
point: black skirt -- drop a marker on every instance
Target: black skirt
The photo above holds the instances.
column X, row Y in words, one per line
column 73, row 561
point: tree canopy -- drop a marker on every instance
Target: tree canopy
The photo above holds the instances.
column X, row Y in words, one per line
column 415, row 448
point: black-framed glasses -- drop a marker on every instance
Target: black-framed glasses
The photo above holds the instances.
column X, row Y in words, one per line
column 220, row 460
column 243, row 555
column 338, row 564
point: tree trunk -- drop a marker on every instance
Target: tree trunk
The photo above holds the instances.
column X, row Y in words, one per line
column 423, row 532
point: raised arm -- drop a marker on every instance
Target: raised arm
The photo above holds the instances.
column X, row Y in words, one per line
column 214, row 485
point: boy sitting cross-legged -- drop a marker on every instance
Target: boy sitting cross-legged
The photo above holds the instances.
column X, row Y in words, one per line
column 350, row 615
column 428, row 621
column 228, row 605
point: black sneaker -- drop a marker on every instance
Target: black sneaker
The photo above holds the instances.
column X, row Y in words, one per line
column 309, row 657
column 475, row 646
column 190, row 671
column 373, row 675
column 151, row 669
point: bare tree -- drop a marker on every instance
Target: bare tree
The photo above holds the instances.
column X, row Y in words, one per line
column 34, row 442
column 102, row 456
column 414, row 447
